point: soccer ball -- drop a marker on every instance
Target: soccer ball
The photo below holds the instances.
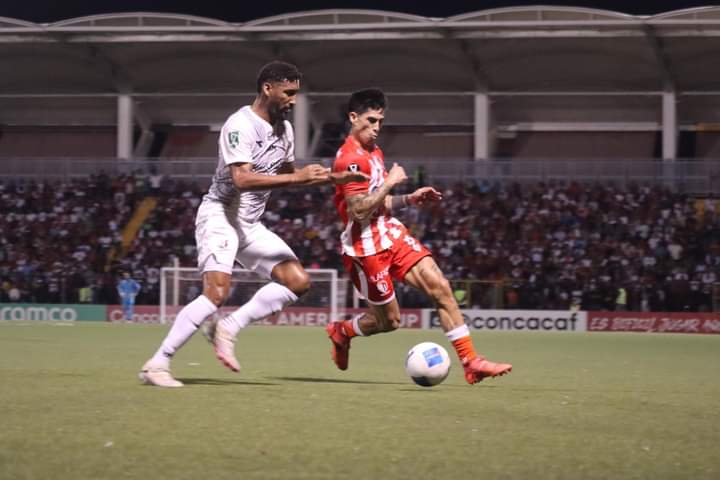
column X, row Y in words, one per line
column 427, row 364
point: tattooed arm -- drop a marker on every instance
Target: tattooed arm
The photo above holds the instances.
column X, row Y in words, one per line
column 362, row 206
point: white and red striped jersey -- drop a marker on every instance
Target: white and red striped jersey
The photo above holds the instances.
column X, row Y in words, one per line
column 381, row 230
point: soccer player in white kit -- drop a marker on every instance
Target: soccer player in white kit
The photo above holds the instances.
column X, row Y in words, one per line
column 255, row 156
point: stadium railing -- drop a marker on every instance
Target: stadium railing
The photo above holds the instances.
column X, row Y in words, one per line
column 686, row 175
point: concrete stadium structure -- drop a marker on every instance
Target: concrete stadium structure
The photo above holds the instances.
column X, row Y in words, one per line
column 557, row 83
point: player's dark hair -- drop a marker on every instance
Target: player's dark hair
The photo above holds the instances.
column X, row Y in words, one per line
column 368, row 99
column 277, row 71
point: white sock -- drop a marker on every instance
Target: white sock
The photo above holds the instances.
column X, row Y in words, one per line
column 270, row 299
column 185, row 325
column 459, row 332
column 356, row 324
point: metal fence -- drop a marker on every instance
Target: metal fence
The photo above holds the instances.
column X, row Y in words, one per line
column 690, row 176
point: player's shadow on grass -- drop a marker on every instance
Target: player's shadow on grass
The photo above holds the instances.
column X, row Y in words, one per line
column 332, row 380
column 215, row 381
column 445, row 386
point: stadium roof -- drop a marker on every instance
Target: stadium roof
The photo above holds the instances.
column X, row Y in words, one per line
column 182, row 68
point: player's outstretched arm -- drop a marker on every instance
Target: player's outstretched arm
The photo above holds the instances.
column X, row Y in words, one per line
column 245, row 179
column 424, row 195
column 341, row 178
column 314, row 174
column 338, row 178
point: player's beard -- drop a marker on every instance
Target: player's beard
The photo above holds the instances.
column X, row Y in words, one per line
column 278, row 117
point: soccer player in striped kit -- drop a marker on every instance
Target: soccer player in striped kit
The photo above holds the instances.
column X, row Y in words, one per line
column 377, row 247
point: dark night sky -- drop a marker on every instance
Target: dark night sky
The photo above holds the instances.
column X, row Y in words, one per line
column 239, row 11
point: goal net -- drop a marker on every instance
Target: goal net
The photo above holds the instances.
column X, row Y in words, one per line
column 181, row 285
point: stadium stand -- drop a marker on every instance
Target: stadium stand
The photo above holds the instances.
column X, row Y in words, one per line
column 190, row 142
column 55, row 236
column 520, row 79
column 552, row 246
column 586, row 141
column 29, row 141
column 417, row 142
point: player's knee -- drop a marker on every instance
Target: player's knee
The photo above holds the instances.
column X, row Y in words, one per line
column 217, row 294
column 299, row 283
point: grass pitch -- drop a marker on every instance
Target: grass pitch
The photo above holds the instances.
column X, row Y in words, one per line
column 577, row 406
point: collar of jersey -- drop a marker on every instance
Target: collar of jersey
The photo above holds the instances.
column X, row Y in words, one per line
column 356, row 144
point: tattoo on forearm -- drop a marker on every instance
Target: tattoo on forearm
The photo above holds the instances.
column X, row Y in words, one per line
column 363, row 205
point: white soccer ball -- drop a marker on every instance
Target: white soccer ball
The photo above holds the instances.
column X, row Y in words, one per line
column 427, row 364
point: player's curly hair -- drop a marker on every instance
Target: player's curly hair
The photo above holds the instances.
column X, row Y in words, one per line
column 277, row 71
column 367, row 99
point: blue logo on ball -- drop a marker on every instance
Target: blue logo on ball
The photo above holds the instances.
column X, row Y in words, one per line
column 432, row 357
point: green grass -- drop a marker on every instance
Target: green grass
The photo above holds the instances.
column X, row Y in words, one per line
column 577, row 406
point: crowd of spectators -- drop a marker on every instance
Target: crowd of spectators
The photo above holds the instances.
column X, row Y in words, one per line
column 541, row 245
column 55, row 237
column 594, row 247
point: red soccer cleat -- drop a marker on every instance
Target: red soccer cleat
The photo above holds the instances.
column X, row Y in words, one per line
column 341, row 344
column 479, row 368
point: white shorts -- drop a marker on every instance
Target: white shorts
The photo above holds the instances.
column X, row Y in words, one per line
column 222, row 240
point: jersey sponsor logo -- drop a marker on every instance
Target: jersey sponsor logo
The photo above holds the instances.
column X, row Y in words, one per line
column 233, row 138
column 380, row 275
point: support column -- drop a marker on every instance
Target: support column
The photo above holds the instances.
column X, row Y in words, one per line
column 482, row 126
column 301, row 125
column 669, row 126
column 124, row 126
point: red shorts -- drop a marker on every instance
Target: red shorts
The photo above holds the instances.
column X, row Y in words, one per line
column 372, row 275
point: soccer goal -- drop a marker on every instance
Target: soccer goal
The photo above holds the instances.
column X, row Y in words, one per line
column 181, row 285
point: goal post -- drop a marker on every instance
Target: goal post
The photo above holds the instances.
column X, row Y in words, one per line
column 181, row 285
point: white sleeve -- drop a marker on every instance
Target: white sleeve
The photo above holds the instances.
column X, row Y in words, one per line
column 236, row 142
column 290, row 134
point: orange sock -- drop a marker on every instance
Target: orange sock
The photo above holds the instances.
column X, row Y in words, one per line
column 348, row 330
column 464, row 348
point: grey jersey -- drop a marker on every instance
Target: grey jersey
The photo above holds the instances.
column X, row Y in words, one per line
column 247, row 138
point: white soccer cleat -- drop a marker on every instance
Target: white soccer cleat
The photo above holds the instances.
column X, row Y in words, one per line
column 224, row 343
column 158, row 376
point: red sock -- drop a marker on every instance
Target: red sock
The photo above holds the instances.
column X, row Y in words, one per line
column 348, row 330
column 464, row 348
